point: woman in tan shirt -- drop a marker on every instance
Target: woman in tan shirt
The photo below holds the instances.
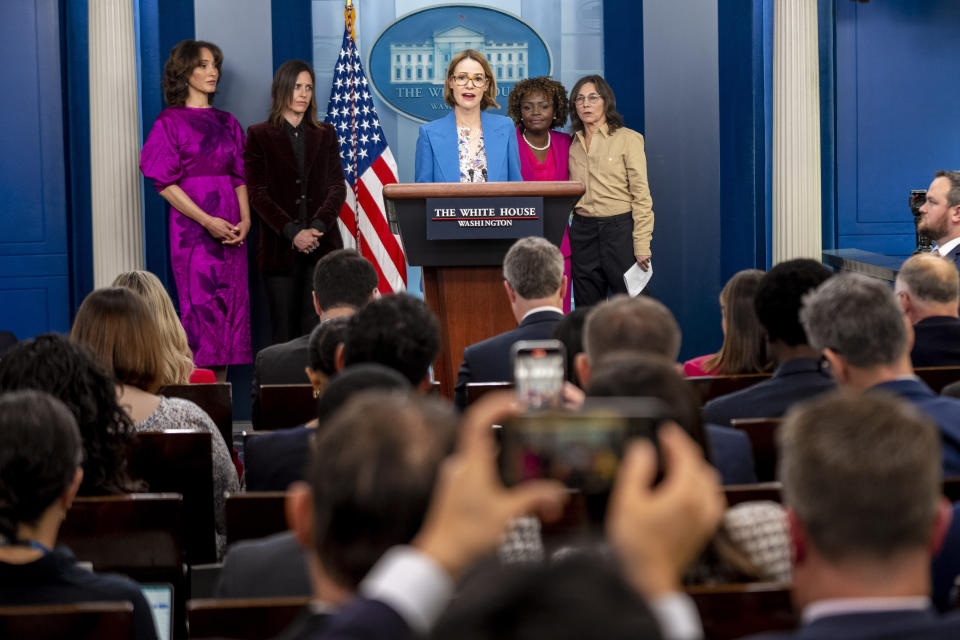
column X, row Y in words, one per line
column 613, row 221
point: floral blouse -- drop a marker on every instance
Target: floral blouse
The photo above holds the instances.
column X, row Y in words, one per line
column 473, row 168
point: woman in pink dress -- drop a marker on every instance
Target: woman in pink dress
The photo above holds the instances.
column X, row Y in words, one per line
column 537, row 106
column 194, row 155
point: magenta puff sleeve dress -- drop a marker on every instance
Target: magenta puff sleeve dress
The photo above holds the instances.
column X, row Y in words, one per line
column 201, row 151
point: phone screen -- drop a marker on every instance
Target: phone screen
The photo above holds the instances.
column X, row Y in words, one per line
column 580, row 449
column 539, row 369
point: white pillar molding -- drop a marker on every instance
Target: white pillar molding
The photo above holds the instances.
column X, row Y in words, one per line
column 796, row 131
column 114, row 141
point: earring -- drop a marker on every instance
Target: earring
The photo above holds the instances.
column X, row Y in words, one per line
column 316, row 393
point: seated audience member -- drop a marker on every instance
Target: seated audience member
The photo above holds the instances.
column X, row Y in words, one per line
column 655, row 532
column 70, row 373
column 798, row 374
column 746, row 545
column 929, row 291
column 343, row 281
column 40, row 473
column 627, row 324
column 866, row 514
column 177, row 367
column 275, row 460
column 857, row 324
column 534, row 282
column 744, row 348
column 372, row 473
column 397, row 331
column 569, row 331
column 324, row 342
column 116, row 325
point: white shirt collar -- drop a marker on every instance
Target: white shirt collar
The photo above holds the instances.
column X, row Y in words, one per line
column 839, row 606
column 948, row 247
column 539, row 309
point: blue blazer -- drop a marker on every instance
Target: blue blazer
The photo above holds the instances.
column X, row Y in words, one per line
column 438, row 159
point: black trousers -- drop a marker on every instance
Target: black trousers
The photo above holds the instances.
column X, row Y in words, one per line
column 291, row 300
column 601, row 251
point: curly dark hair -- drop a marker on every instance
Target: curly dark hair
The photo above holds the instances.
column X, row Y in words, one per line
column 553, row 90
column 184, row 58
column 70, row 372
column 397, row 331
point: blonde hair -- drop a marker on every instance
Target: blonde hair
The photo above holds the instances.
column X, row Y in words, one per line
column 177, row 358
column 489, row 98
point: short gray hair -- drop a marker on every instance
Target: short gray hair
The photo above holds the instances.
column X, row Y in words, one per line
column 534, row 268
column 862, row 474
column 631, row 324
column 953, row 195
column 931, row 278
column 857, row 317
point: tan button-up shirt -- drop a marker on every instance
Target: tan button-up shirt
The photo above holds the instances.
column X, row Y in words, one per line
column 614, row 172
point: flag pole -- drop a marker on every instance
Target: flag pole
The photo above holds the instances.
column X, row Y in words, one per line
column 350, row 18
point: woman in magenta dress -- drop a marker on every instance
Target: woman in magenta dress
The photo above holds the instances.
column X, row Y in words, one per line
column 194, row 155
column 537, row 106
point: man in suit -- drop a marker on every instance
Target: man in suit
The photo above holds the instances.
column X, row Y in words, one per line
column 865, row 516
column 940, row 215
column 929, row 292
column 343, row 281
column 534, row 281
column 858, row 325
column 798, row 374
column 623, row 324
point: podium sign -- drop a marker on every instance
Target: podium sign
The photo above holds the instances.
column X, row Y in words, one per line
column 493, row 218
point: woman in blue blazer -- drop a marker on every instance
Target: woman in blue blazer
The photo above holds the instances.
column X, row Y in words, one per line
column 468, row 145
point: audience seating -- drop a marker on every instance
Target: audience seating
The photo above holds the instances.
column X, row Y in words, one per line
column 77, row 621
column 255, row 515
column 139, row 535
column 762, row 433
column 180, row 462
column 215, row 399
column 476, row 390
column 285, row 405
column 737, row 493
column 710, row 387
column 242, row 618
column 736, row 610
column 938, row 377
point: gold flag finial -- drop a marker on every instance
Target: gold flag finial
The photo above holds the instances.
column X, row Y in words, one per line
column 350, row 18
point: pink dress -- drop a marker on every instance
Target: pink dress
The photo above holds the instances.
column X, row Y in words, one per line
column 553, row 168
column 201, row 151
column 693, row 368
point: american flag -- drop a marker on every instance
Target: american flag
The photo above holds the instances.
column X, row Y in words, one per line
column 367, row 166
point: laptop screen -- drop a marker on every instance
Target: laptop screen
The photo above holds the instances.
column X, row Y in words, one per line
column 160, row 598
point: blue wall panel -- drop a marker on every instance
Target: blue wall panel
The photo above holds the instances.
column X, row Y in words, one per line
column 895, row 115
column 34, row 282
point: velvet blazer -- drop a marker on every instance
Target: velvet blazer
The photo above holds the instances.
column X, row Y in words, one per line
column 438, row 159
column 273, row 185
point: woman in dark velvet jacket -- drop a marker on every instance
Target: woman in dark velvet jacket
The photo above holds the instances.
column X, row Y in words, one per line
column 296, row 186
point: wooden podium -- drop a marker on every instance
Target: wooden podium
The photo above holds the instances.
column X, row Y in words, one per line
column 463, row 279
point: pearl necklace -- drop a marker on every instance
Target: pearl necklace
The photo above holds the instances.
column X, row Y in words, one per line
column 533, row 146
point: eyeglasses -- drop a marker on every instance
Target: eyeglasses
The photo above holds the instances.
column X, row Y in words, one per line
column 593, row 98
column 478, row 79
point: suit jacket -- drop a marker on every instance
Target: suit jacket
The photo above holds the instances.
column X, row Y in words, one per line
column 794, row 380
column 273, row 185
column 936, row 342
column 946, row 564
column 955, row 256
column 276, row 460
column 731, row 453
column 283, row 363
column 367, row 619
column 438, row 158
column 489, row 361
column 944, row 411
column 275, row 566
column 875, row 625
